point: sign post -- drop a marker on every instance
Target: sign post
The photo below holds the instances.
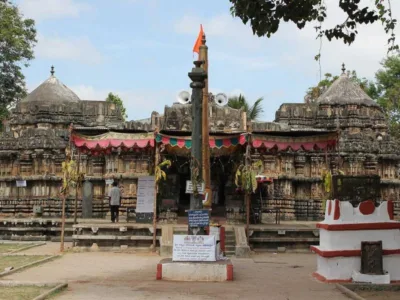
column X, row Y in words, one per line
column 145, row 199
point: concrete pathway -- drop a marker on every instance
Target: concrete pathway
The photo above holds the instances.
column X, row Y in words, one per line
column 97, row 276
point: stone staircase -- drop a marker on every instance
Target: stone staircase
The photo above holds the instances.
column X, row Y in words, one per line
column 283, row 239
column 230, row 242
column 123, row 236
column 34, row 229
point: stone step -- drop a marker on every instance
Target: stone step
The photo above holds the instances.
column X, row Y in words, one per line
column 28, row 238
column 115, row 237
column 283, row 239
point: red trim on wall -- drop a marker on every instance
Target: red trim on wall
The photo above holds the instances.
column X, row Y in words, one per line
column 222, row 238
column 347, row 253
column 359, row 226
column 336, row 213
column 159, row 272
column 329, row 207
column 390, row 208
column 319, row 277
column 229, row 272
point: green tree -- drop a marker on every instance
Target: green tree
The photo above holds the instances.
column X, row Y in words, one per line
column 388, row 89
column 114, row 98
column 314, row 92
column 265, row 16
column 17, row 39
column 253, row 111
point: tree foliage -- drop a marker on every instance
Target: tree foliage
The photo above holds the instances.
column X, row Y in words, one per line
column 314, row 92
column 114, row 98
column 17, row 39
column 388, row 91
column 265, row 16
column 253, row 111
column 245, row 176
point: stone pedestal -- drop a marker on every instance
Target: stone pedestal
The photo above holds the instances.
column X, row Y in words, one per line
column 215, row 271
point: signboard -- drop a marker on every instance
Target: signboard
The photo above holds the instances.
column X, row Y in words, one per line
column 21, row 183
column 193, row 248
column 198, row 218
column 145, row 194
column 189, row 187
column 109, row 181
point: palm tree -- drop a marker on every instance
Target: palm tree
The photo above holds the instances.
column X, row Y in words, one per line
column 253, row 112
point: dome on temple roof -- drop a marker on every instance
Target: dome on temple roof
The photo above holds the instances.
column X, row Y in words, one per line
column 52, row 91
column 345, row 91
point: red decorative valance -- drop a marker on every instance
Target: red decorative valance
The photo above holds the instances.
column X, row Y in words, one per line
column 114, row 140
column 308, row 143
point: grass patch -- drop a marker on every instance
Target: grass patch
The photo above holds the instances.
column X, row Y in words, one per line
column 5, row 248
column 18, row 260
column 21, row 292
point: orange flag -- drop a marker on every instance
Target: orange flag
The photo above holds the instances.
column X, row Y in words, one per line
column 196, row 47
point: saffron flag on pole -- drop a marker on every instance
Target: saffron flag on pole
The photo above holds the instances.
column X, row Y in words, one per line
column 196, row 47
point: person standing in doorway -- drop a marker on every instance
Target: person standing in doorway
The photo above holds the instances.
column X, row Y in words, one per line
column 114, row 196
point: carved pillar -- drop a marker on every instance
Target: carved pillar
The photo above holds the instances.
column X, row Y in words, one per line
column 15, row 167
column 35, row 164
column 299, row 163
column 46, row 167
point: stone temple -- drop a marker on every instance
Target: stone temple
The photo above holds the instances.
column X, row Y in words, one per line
column 344, row 131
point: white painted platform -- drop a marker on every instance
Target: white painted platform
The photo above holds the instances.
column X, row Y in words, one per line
column 373, row 279
column 217, row 271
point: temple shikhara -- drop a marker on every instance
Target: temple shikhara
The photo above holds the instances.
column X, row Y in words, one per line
column 344, row 132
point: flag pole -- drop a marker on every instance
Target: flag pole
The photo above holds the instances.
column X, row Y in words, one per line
column 203, row 55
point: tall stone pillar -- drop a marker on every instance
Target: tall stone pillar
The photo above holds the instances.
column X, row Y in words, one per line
column 198, row 76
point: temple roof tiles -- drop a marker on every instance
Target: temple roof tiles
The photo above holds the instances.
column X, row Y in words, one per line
column 345, row 91
column 52, row 91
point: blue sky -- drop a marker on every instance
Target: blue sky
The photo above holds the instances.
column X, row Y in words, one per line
column 142, row 50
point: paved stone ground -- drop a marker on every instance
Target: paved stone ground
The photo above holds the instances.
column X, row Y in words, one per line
column 132, row 276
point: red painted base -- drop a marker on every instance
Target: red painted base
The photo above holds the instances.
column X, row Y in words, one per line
column 321, row 278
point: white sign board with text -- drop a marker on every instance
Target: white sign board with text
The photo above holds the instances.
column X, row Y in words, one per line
column 189, row 187
column 193, row 248
column 145, row 194
column 21, row 183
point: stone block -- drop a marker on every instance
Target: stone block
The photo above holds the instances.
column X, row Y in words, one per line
column 195, row 271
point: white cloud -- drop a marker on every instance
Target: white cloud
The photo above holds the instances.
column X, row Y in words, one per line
column 53, row 9
column 76, row 49
column 222, row 26
column 138, row 103
column 291, row 46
